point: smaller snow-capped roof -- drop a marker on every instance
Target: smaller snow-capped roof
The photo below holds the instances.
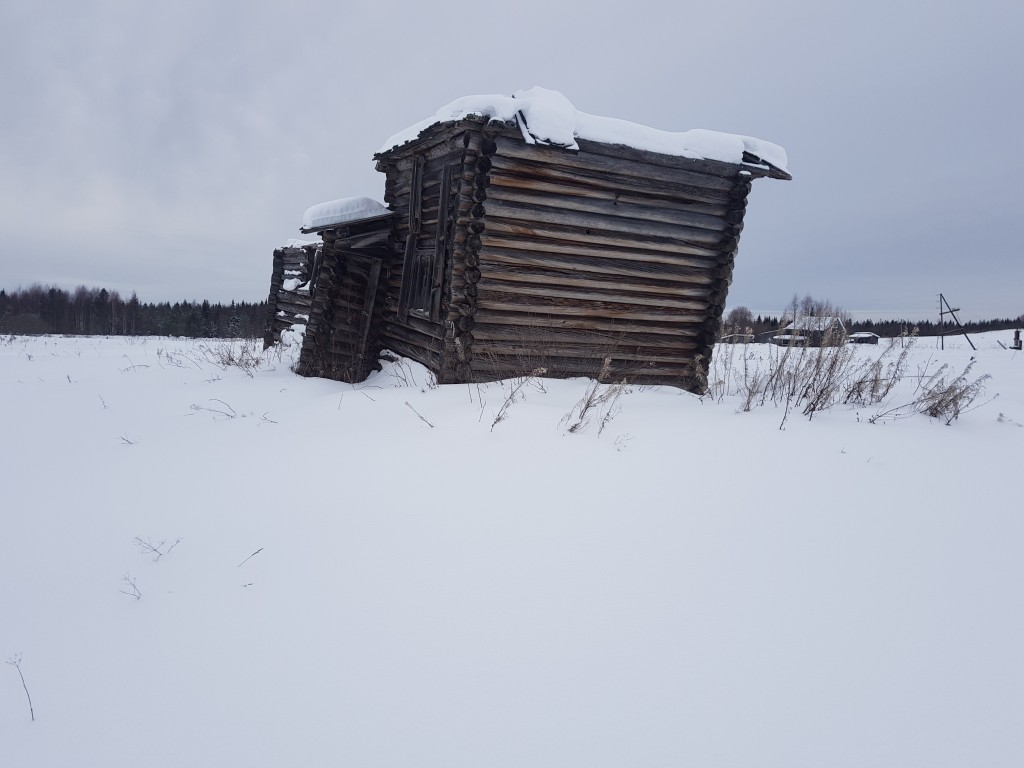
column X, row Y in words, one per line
column 548, row 117
column 812, row 323
column 343, row 211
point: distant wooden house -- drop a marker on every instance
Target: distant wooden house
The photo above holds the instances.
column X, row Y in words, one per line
column 522, row 236
column 811, row 331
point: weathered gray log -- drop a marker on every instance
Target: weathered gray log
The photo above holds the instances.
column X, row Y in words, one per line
column 508, row 167
column 509, row 302
column 713, row 167
column 595, row 341
column 574, row 236
column 683, row 298
column 612, row 226
column 679, row 323
column 611, row 204
column 635, row 254
column 540, row 350
column 656, row 169
column 606, row 267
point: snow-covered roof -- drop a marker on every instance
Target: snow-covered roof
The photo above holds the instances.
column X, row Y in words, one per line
column 548, row 117
column 343, row 211
column 813, row 323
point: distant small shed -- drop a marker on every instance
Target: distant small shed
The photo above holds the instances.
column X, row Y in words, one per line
column 521, row 235
column 863, row 337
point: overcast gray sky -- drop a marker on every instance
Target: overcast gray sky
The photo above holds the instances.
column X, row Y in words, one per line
column 169, row 147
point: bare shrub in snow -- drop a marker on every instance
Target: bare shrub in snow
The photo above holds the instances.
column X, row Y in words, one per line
column 15, row 661
column 600, row 401
column 516, row 392
column 723, row 362
column 400, row 370
column 816, row 379
column 133, row 366
column 876, row 380
column 698, row 372
column 937, row 395
column 174, row 359
column 825, row 374
column 158, row 550
column 421, row 416
column 246, row 355
column 947, row 399
column 129, row 588
column 250, row 557
column 224, row 409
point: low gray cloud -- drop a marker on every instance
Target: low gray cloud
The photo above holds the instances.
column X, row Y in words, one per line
column 168, row 148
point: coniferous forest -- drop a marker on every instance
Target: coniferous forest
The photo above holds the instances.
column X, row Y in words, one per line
column 97, row 311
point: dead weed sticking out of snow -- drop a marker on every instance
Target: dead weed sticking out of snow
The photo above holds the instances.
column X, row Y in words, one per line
column 815, row 379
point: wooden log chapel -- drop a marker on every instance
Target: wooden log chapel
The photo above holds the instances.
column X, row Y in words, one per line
column 521, row 236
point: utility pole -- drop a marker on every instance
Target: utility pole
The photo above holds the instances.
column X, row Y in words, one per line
column 945, row 309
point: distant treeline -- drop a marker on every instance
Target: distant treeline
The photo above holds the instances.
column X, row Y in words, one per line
column 742, row 320
column 886, row 328
column 97, row 311
column 889, row 328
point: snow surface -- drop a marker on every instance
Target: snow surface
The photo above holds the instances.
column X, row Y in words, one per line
column 355, row 587
column 548, row 117
column 341, row 211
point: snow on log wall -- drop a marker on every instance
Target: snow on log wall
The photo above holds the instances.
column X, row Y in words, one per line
column 608, row 262
column 287, row 306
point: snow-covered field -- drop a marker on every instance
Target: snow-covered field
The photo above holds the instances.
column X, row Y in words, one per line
column 379, row 575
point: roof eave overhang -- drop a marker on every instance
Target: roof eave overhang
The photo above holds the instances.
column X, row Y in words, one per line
column 346, row 224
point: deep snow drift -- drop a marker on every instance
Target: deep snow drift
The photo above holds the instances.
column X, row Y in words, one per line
column 380, row 575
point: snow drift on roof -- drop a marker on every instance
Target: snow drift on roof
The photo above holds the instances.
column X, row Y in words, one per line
column 547, row 117
column 341, row 211
column 814, row 323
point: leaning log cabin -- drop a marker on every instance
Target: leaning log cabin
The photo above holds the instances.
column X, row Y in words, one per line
column 522, row 236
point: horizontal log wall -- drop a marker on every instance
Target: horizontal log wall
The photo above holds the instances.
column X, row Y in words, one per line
column 594, row 264
column 609, row 261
